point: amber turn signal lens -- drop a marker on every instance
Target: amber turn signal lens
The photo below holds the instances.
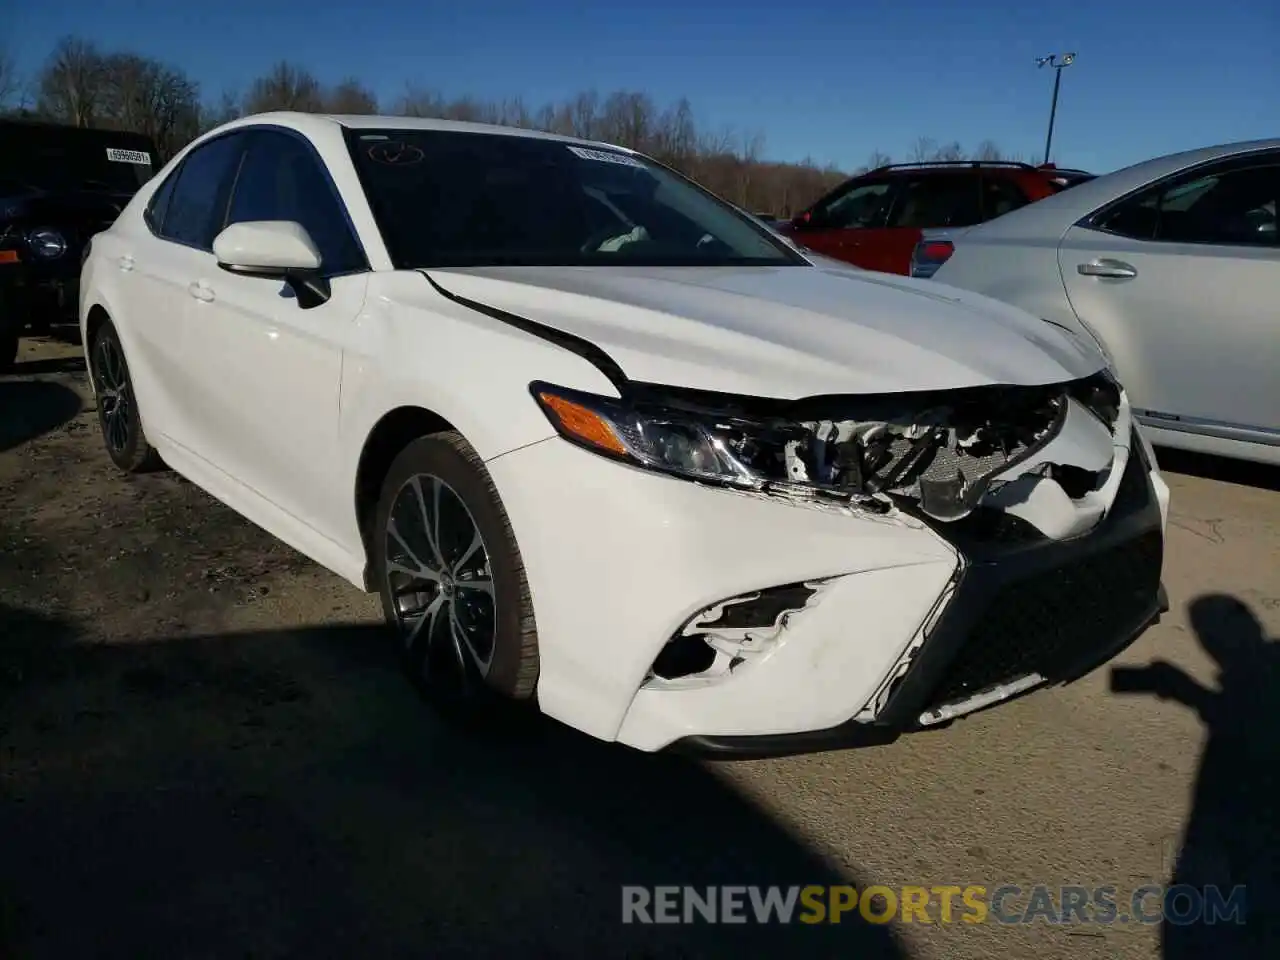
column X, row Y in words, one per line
column 8, row 256
column 584, row 424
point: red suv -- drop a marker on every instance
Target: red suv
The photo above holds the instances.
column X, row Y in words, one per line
column 874, row 220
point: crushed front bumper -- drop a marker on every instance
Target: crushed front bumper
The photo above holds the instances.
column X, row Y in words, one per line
column 1026, row 612
column 909, row 614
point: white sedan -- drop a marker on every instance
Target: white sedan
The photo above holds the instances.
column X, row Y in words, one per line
column 1173, row 265
column 606, row 445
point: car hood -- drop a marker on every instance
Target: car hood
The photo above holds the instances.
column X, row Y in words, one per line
column 785, row 332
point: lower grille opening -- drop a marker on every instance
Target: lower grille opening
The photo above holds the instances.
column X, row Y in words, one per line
column 1052, row 623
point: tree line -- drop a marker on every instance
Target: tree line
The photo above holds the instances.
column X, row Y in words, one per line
column 84, row 85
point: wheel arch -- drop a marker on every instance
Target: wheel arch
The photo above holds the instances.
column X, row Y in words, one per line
column 394, row 431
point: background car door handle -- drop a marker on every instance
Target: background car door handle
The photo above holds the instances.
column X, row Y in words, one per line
column 200, row 290
column 1115, row 269
column 125, row 262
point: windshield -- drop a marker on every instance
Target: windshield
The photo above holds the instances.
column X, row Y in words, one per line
column 443, row 198
column 64, row 159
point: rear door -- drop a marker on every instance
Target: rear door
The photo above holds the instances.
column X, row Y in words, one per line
column 838, row 225
column 922, row 201
column 155, row 266
column 1182, row 281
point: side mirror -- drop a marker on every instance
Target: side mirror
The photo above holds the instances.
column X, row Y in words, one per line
column 274, row 250
column 802, row 221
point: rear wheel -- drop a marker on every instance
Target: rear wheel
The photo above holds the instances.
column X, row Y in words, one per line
column 452, row 582
column 10, row 327
column 117, row 406
column 8, row 348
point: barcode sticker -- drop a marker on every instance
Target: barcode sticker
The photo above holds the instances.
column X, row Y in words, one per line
column 606, row 156
column 128, row 156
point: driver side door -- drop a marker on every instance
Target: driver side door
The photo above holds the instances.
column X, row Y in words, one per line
column 271, row 368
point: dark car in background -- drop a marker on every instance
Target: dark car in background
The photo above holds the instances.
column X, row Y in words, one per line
column 875, row 220
column 59, row 186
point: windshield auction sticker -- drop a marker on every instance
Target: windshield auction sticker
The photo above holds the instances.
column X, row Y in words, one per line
column 606, row 156
column 128, row 156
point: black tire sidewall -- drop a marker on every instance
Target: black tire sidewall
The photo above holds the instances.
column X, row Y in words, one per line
column 439, row 457
column 135, row 448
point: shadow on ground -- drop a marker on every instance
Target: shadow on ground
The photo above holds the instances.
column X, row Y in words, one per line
column 284, row 794
column 1232, row 838
column 1223, row 469
column 32, row 408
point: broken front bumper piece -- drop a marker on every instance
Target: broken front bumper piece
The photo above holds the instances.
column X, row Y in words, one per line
column 844, row 606
column 1024, row 612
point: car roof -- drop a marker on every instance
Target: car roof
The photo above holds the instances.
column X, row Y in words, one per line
column 310, row 122
column 1054, row 215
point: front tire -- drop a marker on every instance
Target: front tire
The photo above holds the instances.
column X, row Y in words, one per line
column 452, row 582
column 118, row 416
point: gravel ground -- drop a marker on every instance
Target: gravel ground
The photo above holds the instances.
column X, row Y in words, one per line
column 206, row 751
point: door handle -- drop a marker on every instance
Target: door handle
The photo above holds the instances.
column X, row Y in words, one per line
column 1112, row 269
column 200, row 290
column 125, row 262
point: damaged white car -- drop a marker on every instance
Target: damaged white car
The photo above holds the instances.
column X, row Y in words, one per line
column 606, row 445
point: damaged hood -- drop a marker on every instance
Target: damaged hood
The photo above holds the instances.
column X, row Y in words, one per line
column 784, row 332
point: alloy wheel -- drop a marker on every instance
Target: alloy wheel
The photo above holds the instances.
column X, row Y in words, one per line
column 440, row 583
column 114, row 393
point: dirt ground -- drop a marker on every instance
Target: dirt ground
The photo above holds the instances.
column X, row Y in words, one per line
column 206, row 751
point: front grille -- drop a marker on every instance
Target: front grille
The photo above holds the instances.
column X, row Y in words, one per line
column 1056, row 621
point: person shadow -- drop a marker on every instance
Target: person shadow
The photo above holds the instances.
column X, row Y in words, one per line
column 1229, row 856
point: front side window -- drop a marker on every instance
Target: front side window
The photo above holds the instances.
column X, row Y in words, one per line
column 196, row 207
column 281, row 179
column 1234, row 206
column 859, row 207
column 443, row 198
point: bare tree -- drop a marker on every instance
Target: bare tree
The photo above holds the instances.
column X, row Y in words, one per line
column 10, row 82
column 286, row 87
column 226, row 109
column 924, row 150
column 987, row 150
column 350, row 96
column 949, row 151
column 70, row 87
column 147, row 97
column 878, row 160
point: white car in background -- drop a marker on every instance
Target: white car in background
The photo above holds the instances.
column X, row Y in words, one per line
column 605, row 444
column 1173, row 265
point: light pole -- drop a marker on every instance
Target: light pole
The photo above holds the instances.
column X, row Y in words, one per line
column 1057, row 61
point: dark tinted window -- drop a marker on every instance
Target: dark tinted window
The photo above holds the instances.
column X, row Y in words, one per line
column 468, row 199
column 999, row 196
column 1227, row 206
column 859, row 205
column 60, row 158
column 159, row 204
column 196, row 209
column 937, row 201
column 281, row 179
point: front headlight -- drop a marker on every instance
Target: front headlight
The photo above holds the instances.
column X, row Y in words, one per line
column 726, row 450
column 47, row 243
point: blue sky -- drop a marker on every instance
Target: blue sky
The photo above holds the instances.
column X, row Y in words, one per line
column 832, row 79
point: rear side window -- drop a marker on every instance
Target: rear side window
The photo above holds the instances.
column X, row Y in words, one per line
column 1230, row 205
column 1001, row 195
column 159, row 204
column 197, row 206
column 282, row 179
column 937, row 201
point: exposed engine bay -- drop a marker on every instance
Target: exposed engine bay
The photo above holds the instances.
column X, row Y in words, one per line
column 1042, row 452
